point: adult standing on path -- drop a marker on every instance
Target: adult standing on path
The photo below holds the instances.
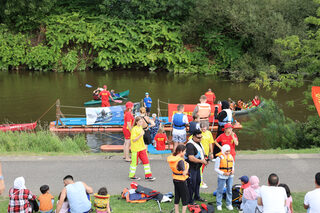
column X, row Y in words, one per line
column 230, row 138
column 203, row 109
column 195, row 158
column 271, row 197
column 138, row 150
column 312, row 198
column 147, row 123
column 179, row 122
column 211, row 97
column 147, row 101
column 105, row 95
column 76, row 192
column 126, row 129
column 2, row 186
column 224, row 166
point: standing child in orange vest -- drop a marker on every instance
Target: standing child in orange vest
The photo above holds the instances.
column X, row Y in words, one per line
column 161, row 139
column 179, row 169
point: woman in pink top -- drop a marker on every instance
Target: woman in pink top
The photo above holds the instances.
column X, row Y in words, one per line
column 289, row 197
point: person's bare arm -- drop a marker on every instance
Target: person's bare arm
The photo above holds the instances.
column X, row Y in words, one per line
column 235, row 139
column 192, row 158
column 291, row 208
column 2, row 186
column 260, row 203
column 89, row 189
column 61, row 200
column 152, row 123
column 218, row 145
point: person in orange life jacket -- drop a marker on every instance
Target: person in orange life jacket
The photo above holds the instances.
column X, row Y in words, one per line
column 146, row 125
column 224, row 166
column 105, row 95
column 138, row 150
column 203, row 109
column 126, row 129
column 211, row 97
column 161, row 139
column 195, row 157
column 179, row 122
column 256, row 101
column 179, row 169
column 230, row 138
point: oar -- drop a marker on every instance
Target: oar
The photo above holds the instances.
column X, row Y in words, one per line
column 88, row 86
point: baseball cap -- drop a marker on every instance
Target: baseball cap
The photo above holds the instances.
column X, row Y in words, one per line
column 104, row 86
column 129, row 104
column 228, row 125
column 244, row 179
column 147, row 93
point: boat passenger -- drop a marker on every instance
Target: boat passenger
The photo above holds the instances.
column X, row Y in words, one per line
column 203, row 109
column 105, row 95
column 96, row 93
column 112, row 93
column 126, row 129
column 146, row 125
column 256, row 101
column 224, row 117
column 240, row 105
column 232, row 104
column 211, row 97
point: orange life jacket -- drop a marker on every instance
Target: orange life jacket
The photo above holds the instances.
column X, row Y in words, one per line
column 204, row 110
column 173, row 163
column 226, row 164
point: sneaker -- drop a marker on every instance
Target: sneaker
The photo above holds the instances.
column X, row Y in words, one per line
column 230, row 207
column 219, row 208
column 213, row 160
column 150, row 178
column 134, row 178
column 203, row 186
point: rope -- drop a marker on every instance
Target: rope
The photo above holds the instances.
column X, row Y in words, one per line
column 72, row 107
column 45, row 112
column 74, row 115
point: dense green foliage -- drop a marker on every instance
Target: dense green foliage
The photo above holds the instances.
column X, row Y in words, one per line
column 42, row 141
column 279, row 131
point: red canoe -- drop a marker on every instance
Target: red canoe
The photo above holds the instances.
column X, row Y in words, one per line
column 18, row 127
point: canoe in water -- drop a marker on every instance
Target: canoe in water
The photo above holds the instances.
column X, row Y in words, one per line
column 118, row 96
column 246, row 111
column 17, row 127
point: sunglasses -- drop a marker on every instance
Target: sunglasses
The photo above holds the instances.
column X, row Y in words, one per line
column 199, row 137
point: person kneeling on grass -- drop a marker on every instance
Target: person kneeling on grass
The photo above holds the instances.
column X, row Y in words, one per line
column 179, row 169
column 224, row 166
column 138, row 150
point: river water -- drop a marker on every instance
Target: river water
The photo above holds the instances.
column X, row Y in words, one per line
column 25, row 96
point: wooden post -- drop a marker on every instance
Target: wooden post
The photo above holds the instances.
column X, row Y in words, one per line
column 58, row 114
column 158, row 108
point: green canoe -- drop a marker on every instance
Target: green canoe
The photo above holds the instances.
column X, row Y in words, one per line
column 118, row 96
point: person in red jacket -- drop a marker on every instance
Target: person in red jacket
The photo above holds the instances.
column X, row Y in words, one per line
column 256, row 101
column 230, row 138
column 211, row 97
column 105, row 95
column 161, row 139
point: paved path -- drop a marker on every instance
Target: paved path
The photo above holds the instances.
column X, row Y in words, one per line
column 296, row 170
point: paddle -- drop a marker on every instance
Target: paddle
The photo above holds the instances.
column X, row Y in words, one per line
column 88, row 86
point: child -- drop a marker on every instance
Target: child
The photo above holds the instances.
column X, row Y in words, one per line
column 101, row 201
column 65, row 205
column 179, row 169
column 195, row 124
column 138, row 150
column 289, row 199
column 161, row 139
column 46, row 199
column 207, row 144
column 244, row 184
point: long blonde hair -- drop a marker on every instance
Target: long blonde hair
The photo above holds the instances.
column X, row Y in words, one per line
column 136, row 120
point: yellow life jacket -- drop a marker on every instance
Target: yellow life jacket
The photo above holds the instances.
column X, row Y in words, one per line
column 226, row 162
column 204, row 111
column 173, row 163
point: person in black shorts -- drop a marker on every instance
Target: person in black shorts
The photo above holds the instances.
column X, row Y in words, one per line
column 179, row 169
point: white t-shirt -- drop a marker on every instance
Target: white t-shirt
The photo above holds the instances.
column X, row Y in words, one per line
column 312, row 199
column 273, row 199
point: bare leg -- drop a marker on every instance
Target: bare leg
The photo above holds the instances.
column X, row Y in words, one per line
column 184, row 209
column 126, row 146
column 175, row 144
column 176, row 208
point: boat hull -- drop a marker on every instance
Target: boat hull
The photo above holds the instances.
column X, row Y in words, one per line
column 18, row 127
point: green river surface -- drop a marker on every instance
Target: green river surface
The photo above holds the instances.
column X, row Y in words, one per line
column 26, row 95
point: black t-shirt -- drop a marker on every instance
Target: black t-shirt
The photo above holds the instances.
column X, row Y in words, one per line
column 180, row 166
column 191, row 150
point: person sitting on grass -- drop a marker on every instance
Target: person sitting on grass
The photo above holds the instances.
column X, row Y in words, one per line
column 101, row 201
column 65, row 205
column 312, row 198
column 289, row 197
column 20, row 197
column 250, row 196
column 179, row 169
column 46, row 200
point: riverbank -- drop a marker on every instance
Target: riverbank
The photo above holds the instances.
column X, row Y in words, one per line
column 121, row 206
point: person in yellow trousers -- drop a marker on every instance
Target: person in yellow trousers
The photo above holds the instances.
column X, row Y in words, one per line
column 138, row 150
column 179, row 169
column 207, row 144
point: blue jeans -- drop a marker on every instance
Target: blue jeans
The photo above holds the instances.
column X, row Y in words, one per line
column 194, row 181
column 221, row 183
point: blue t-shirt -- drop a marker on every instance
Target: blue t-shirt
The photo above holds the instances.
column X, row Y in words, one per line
column 147, row 100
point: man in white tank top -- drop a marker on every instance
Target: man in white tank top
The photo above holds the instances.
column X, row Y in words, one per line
column 76, row 193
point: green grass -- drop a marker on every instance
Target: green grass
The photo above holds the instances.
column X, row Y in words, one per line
column 41, row 142
column 315, row 150
column 120, row 205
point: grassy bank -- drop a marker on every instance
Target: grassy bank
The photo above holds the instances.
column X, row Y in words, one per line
column 315, row 150
column 120, row 205
column 41, row 142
